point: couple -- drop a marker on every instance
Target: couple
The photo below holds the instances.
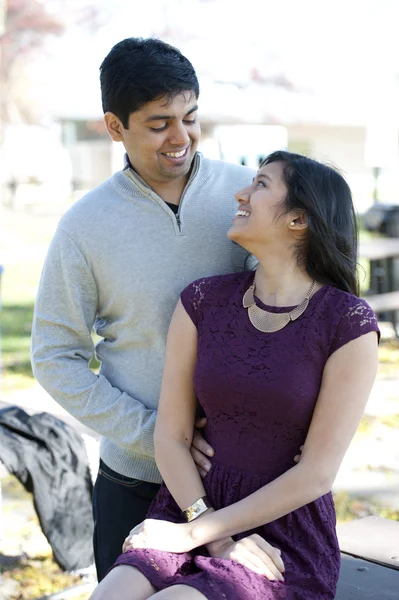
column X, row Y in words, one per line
column 278, row 358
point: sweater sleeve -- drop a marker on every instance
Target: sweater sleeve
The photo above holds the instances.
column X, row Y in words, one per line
column 62, row 348
column 250, row 263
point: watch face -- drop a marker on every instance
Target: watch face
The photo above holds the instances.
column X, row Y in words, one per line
column 196, row 509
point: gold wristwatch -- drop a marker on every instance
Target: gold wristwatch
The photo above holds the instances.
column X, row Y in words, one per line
column 198, row 508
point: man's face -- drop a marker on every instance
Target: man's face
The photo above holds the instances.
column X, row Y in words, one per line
column 162, row 137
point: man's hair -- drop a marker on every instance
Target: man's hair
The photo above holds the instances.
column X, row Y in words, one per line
column 137, row 71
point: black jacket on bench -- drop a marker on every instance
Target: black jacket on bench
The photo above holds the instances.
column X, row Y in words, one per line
column 49, row 458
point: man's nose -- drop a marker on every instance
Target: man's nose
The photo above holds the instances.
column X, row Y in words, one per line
column 179, row 135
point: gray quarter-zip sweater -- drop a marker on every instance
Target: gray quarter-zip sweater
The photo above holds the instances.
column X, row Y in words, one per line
column 117, row 262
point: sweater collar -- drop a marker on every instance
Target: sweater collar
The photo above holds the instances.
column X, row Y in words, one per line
column 130, row 172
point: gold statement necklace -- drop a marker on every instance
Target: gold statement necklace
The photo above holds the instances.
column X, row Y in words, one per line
column 269, row 322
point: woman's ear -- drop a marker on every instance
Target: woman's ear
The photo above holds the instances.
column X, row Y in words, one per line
column 298, row 220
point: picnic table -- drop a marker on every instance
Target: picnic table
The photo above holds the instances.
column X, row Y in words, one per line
column 370, row 559
column 383, row 297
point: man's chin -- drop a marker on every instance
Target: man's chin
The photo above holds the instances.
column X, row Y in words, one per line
column 177, row 170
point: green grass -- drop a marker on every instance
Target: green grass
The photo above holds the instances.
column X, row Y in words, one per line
column 16, row 324
column 19, row 283
column 18, row 290
column 349, row 507
column 390, row 421
column 19, row 287
column 366, row 425
column 35, row 574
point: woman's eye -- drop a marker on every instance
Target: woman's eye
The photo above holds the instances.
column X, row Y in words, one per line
column 262, row 183
column 190, row 122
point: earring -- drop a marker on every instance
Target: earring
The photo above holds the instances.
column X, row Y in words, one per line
column 292, row 223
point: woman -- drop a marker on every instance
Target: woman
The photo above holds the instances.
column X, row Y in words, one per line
column 277, row 358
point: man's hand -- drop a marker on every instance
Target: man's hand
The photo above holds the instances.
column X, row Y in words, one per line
column 254, row 553
column 298, row 457
column 200, row 449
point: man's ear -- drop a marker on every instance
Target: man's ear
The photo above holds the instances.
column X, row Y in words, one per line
column 114, row 127
column 298, row 220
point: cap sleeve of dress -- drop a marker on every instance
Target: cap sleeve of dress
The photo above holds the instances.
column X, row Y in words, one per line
column 192, row 298
column 357, row 319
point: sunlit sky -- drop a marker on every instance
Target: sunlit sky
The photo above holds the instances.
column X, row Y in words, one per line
column 342, row 57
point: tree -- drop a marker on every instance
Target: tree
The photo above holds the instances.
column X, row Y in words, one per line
column 26, row 24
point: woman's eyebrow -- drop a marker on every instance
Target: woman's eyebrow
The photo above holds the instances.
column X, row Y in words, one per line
column 262, row 176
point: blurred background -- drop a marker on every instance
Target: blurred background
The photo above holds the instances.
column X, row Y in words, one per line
column 320, row 78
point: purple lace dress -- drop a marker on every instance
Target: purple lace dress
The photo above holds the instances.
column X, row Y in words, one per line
column 258, row 391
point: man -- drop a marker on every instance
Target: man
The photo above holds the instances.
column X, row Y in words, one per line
column 118, row 261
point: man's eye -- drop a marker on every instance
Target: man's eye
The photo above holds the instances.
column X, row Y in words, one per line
column 159, row 128
column 188, row 122
column 262, row 183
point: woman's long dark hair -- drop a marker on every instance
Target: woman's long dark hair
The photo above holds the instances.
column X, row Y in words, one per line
column 329, row 251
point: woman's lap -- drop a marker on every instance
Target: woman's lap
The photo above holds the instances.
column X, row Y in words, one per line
column 216, row 579
column 118, row 585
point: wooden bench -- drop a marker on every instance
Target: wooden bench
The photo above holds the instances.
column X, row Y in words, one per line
column 370, row 559
column 383, row 302
column 379, row 248
column 383, row 256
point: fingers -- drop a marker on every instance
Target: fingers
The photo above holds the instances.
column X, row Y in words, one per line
column 270, row 569
column 298, row 457
column 247, row 553
column 202, row 445
column 252, row 562
column 126, row 545
column 273, row 553
column 200, row 423
column 199, row 449
column 202, row 463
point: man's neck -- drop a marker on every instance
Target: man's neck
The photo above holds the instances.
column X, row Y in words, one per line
column 170, row 191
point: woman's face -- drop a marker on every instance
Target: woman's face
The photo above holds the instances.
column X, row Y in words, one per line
column 260, row 218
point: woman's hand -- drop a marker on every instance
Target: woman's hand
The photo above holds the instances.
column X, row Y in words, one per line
column 159, row 535
column 252, row 552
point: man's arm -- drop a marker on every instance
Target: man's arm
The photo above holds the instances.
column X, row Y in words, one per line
column 62, row 348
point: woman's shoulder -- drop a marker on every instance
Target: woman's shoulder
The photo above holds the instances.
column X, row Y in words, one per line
column 214, row 291
column 346, row 303
column 348, row 315
column 221, row 284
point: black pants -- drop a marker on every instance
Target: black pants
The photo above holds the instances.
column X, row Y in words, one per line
column 119, row 504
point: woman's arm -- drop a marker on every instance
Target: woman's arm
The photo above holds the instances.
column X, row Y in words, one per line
column 347, row 380
column 176, row 413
